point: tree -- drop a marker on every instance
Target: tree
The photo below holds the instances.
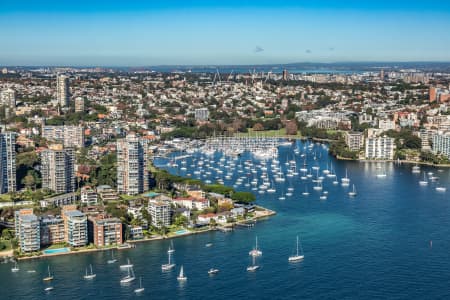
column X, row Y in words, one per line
column 258, row 127
column 291, row 128
column 29, row 181
column 243, row 197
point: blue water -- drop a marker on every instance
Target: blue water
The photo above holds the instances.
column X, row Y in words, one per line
column 374, row 246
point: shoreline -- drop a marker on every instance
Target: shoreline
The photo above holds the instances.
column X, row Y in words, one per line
column 265, row 213
column 409, row 162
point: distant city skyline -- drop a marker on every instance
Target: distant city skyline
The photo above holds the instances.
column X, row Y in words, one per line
column 135, row 33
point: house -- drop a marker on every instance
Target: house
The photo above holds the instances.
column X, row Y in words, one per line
column 192, row 203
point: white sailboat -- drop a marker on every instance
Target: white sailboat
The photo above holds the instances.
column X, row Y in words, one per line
column 352, row 193
column 89, row 276
column 49, row 277
column 127, row 265
column 171, row 248
column 48, row 289
column 424, row 181
column 129, row 278
column 15, row 268
column 112, row 260
column 169, row 265
column 305, row 193
column 213, row 271
column 255, row 252
column 140, row 289
column 253, row 267
column 297, row 256
column 181, row 276
column 345, row 180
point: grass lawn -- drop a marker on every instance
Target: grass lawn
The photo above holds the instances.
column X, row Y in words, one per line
column 267, row 133
column 5, row 198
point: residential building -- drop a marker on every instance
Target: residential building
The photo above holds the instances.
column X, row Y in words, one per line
column 62, row 90
column 8, row 98
column 69, row 136
column 75, row 223
column 58, row 169
column 159, row 213
column 79, row 104
column 27, row 230
column 7, row 162
column 107, row 193
column 385, row 125
column 88, row 196
column 441, row 143
column 354, row 140
column 425, row 137
column 201, row 114
column 52, row 230
column 380, row 148
column 132, row 165
column 59, row 200
column 192, row 203
column 136, row 232
column 105, row 231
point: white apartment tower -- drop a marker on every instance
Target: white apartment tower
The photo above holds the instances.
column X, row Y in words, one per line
column 132, row 165
column 7, row 162
column 62, row 90
column 58, row 169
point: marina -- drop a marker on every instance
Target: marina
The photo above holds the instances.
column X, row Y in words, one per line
column 358, row 228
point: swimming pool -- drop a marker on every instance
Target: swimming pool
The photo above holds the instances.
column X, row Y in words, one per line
column 182, row 231
column 55, row 251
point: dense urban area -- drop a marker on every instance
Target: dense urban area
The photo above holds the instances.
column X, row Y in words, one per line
column 77, row 145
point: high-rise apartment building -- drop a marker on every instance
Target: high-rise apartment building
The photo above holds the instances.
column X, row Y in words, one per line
column 354, row 140
column 58, row 169
column 160, row 213
column 62, row 90
column 8, row 98
column 27, row 230
column 79, row 104
column 52, row 230
column 380, row 148
column 132, row 165
column 441, row 143
column 106, row 231
column 75, row 223
column 7, row 162
column 69, row 136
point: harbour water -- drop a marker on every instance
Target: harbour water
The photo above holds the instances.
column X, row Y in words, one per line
column 391, row 241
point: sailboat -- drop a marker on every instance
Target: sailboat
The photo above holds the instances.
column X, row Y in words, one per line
column 181, row 276
column 297, row 256
column 140, row 289
column 89, row 276
column 255, row 252
column 48, row 289
column 15, row 268
column 169, row 265
column 112, row 260
column 424, row 181
column 305, row 193
column 129, row 278
column 49, row 277
column 345, row 180
column 213, row 271
column 127, row 265
column 253, row 267
column 352, row 193
column 171, row 248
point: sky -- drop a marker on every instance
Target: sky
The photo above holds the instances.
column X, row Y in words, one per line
column 199, row 32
